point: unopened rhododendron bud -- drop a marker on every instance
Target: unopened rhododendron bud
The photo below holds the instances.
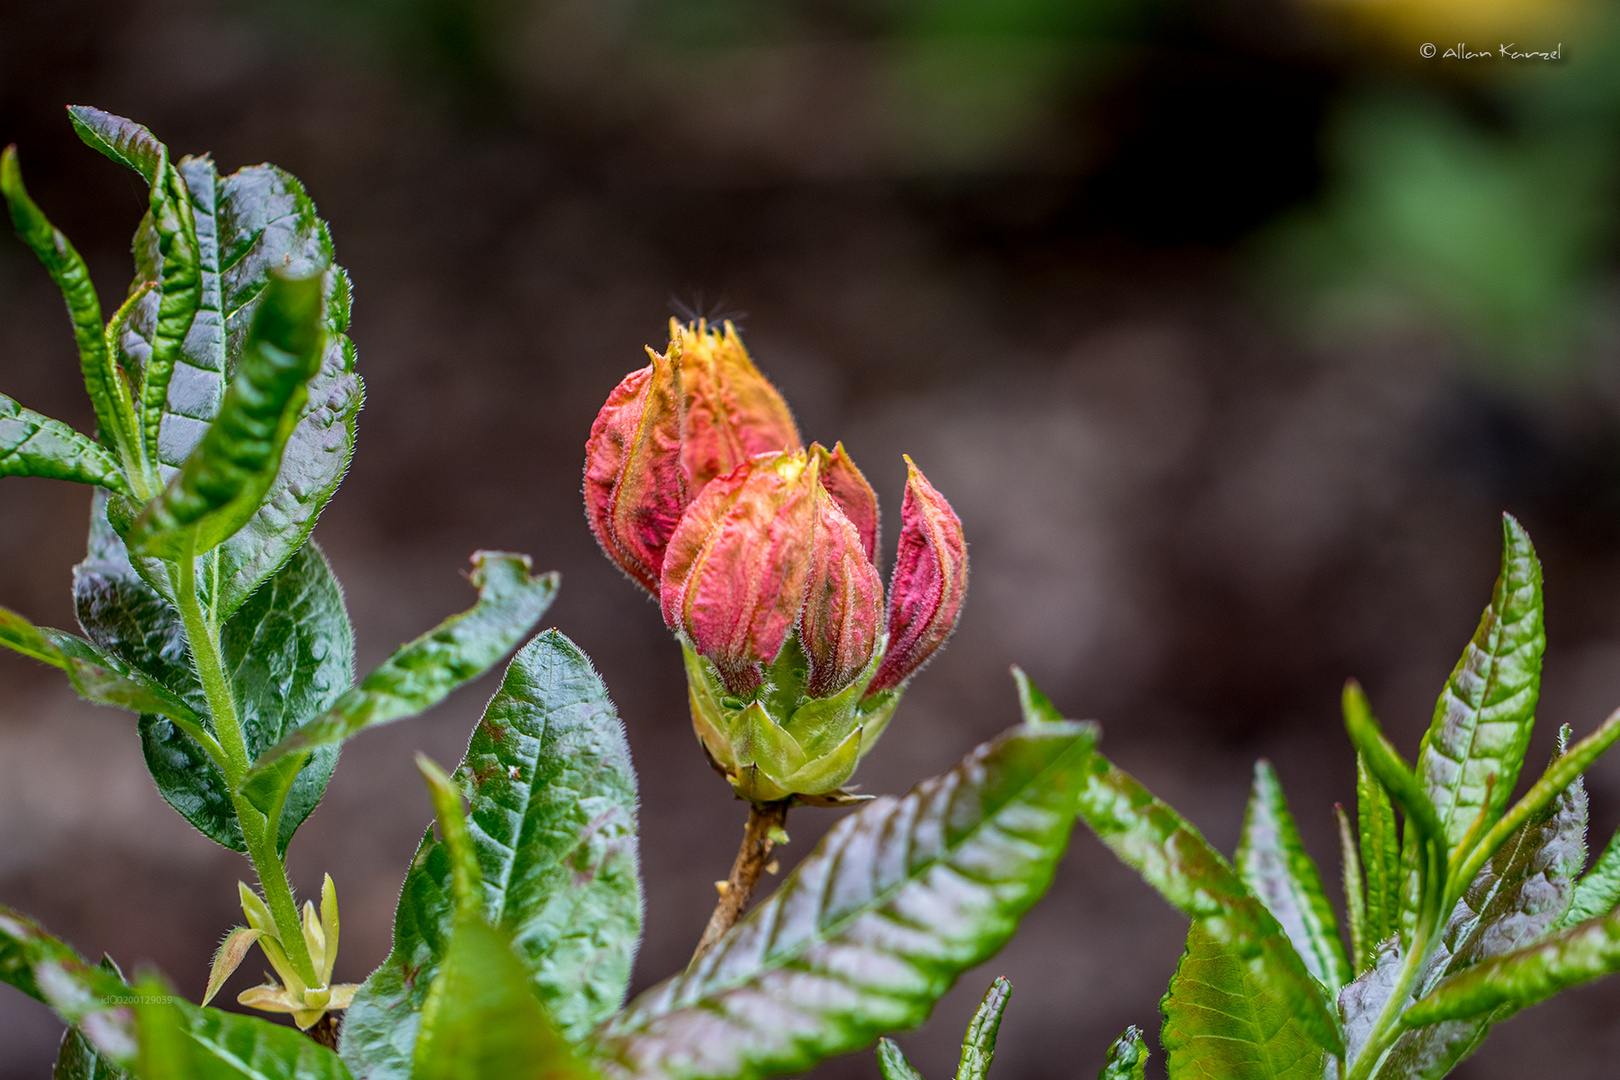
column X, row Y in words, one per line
column 763, row 555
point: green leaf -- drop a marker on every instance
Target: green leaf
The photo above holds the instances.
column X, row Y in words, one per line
column 109, row 393
column 180, row 1041
column 1274, row 864
column 1223, row 1016
column 245, row 226
column 225, row 478
column 481, row 1021
column 1476, row 743
column 554, row 830
column 1355, row 897
column 979, row 1045
column 1380, row 860
column 125, row 141
column 35, row 445
column 1526, row 976
column 873, row 926
column 1171, row 856
column 289, row 653
column 1598, row 892
column 1127, row 1058
column 892, row 1063
column 78, row 1059
column 421, row 674
column 97, row 675
column 48, row 970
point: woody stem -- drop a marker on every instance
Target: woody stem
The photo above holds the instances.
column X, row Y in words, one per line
column 764, row 821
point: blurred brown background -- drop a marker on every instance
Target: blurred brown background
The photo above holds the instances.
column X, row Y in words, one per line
column 1228, row 327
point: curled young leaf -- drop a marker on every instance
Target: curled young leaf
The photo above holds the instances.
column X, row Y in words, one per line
column 36, row 445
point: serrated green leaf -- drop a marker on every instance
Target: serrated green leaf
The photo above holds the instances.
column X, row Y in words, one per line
column 289, row 653
column 1273, row 862
column 1476, row 743
column 82, row 994
column 244, row 226
column 36, row 445
column 1223, row 1017
column 422, row 673
column 873, row 926
column 1171, row 856
column 553, row 825
column 1127, row 1057
column 979, row 1045
column 225, row 478
column 78, row 1059
column 109, row 393
column 1597, row 893
column 1525, row 976
column 892, row 1063
column 1355, row 897
column 1380, row 860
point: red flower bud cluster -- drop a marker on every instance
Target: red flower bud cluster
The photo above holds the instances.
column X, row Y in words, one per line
column 698, row 486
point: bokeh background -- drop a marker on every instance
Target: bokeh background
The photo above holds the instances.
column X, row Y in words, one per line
column 1229, row 327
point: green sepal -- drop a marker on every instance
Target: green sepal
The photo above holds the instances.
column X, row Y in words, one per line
column 1598, row 891
column 36, row 445
column 1224, row 1016
column 1522, row 978
column 1127, row 1058
column 553, row 804
column 897, row 899
column 224, row 480
column 1273, row 862
column 1475, row 745
column 892, row 1063
column 422, row 673
column 110, row 394
column 979, row 1045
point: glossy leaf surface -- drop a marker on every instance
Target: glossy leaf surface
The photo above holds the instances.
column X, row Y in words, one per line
column 552, row 825
column 1273, row 862
column 229, row 471
column 50, row 971
column 289, row 654
column 1171, row 856
column 1597, row 893
column 873, row 926
column 424, row 672
column 892, row 1063
column 1224, row 1018
column 180, row 1041
column 243, row 227
column 97, row 675
column 1380, row 860
column 35, row 445
column 979, row 1045
column 1483, row 719
column 78, row 1059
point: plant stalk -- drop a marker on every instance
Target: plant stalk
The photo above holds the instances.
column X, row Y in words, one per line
column 203, row 638
column 764, row 821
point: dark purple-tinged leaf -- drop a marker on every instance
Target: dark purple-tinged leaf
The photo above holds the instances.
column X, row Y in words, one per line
column 873, row 927
column 1273, row 862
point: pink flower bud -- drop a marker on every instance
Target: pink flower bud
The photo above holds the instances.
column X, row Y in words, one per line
column 732, row 411
column 734, row 573
column 838, row 628
column 855, row 496
column 635, row 490
column 928, row 584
